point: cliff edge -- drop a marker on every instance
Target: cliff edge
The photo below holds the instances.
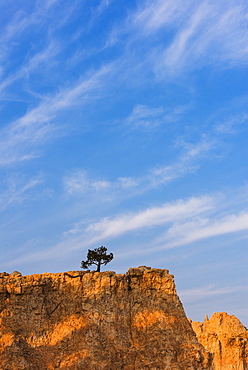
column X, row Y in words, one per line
column 101, row 321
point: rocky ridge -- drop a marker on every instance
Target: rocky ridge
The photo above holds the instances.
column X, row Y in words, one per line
column 96, row 321
column 226, row 338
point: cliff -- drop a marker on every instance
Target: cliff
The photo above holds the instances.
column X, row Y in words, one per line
column 100, row 321
column 226, row 338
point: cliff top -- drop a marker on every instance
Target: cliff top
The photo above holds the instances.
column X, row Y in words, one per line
column 131, row 271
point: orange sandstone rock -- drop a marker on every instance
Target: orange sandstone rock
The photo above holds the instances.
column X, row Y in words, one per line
column 226, row 338
column 96, row 321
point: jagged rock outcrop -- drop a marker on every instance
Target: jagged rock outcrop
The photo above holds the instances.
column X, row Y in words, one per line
column 226, row 338
column 100, row 321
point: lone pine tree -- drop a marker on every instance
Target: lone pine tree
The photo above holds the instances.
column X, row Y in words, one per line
column 98, row 257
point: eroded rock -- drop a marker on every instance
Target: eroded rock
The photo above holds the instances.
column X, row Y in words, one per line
column 96, row 320
column 226, row 338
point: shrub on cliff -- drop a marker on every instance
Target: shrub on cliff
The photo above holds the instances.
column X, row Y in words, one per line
column 98, row 257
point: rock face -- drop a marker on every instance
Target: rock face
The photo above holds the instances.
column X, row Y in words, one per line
column 100, row 321
column 226, row 338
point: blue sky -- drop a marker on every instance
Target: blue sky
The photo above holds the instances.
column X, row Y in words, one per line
column 124, row 124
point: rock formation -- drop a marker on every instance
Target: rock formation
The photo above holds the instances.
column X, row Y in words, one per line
column 226, row 338
column 96, row 321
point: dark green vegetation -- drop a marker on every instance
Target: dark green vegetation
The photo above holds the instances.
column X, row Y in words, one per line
column 98, row 257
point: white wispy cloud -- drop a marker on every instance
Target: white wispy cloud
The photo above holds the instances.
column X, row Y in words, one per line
column 149, row 117
column 177, row 223
column 181, row 233
column 37, row 19
column 16, row 189
column 21, row 138
column 152, row 16
column 103, row 5
column 82, row 235
column 79, row 183
column 151, row 217
column 187, row 163
column 22, row 21
column 196, row 35
column 190, row 295
column 231, row 124
column 142, row 23
column 174, row 224
column 43, row 57
column 184, row 233
column 215, row 33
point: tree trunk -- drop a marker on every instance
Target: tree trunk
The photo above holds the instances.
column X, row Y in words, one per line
column 98, row 266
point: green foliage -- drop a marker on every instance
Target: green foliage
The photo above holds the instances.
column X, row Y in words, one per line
column 98, row 257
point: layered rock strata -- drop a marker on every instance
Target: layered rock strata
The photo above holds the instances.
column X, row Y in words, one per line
column 226, row 338
column 96, row 321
